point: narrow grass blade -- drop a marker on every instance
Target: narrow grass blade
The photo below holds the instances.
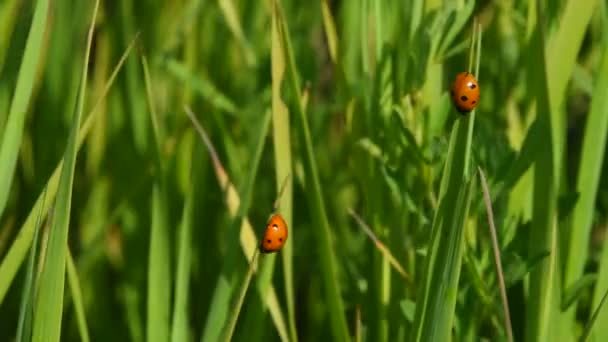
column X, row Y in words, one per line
column 159, row 257
column 543, row 298
column 589, row 173
column 49, row 305
column 379, row 245
column 281, row 136
column 249, row 242
column 74, row 284
column 24, row 328
column 315, row 196
column 594, row 317
column 599, row 332
column 180, row 326
column 16, row 254
column 236, row 309
column 435, row 309
column 225, row 288
column 23, row 91
column 497, row 258
column 159, row 280
column 232, row 19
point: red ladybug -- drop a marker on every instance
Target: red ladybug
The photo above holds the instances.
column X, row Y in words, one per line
column 275, row 235
column 465, row 92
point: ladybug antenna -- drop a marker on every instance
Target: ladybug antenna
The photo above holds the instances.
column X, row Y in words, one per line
column 275, row 206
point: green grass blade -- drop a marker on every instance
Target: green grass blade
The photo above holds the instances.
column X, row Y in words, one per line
column 225, row 288
column 18, row 250
column 24, row 328
column 543, row 295
column 599, row 332
column 249, row 242
column 159, row 280
column 74, row 284
column 159, row 257
column 590, row 168
column 334, row 300
column 593, row 319
column 283, row 164
column 180, row 326
column 49, row 305
column 23, row 91
column 435, row 309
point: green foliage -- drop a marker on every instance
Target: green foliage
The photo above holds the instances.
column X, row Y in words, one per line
column 155, row 224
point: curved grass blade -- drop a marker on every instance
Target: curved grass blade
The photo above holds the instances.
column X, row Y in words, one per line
column 16, row 254
column 23, row 91
column 49, row 305
column 248, row 238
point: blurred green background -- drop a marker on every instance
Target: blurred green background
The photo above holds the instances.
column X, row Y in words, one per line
column 117, row 223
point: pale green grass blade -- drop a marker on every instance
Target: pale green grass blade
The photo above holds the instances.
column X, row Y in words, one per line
column 13, row 131
column 159, row 280
column 159, row 255
column 24, row 329
column 543, row 297
column 232, row 19
column 249, row 242
column 180, row 326
column 218, row 316
column 589, row 173
column 74, row 284
column 49, row 305
column 281, row 135
column 331, row 285
column 18, row 250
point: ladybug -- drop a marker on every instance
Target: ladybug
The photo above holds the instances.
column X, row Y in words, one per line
column 275, row 235
column 465, row 92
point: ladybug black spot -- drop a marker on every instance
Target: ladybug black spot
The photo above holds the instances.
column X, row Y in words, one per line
column 472, row 85
column 474, row 102
column 269, row 241
column 464, row 98
column 280, row 239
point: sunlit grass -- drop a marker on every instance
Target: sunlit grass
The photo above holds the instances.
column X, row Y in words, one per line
column 153, row 217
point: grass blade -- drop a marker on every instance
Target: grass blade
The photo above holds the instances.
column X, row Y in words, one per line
column 497, row 259
column 435, row 311
column 24, row 329
column 23, row 91
column 281, row 136
column 590, row 168
column 159, row 274
column 315, row 195
column 249, row 242
column 74, row 284
column 49, row 305
column 16, row 254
